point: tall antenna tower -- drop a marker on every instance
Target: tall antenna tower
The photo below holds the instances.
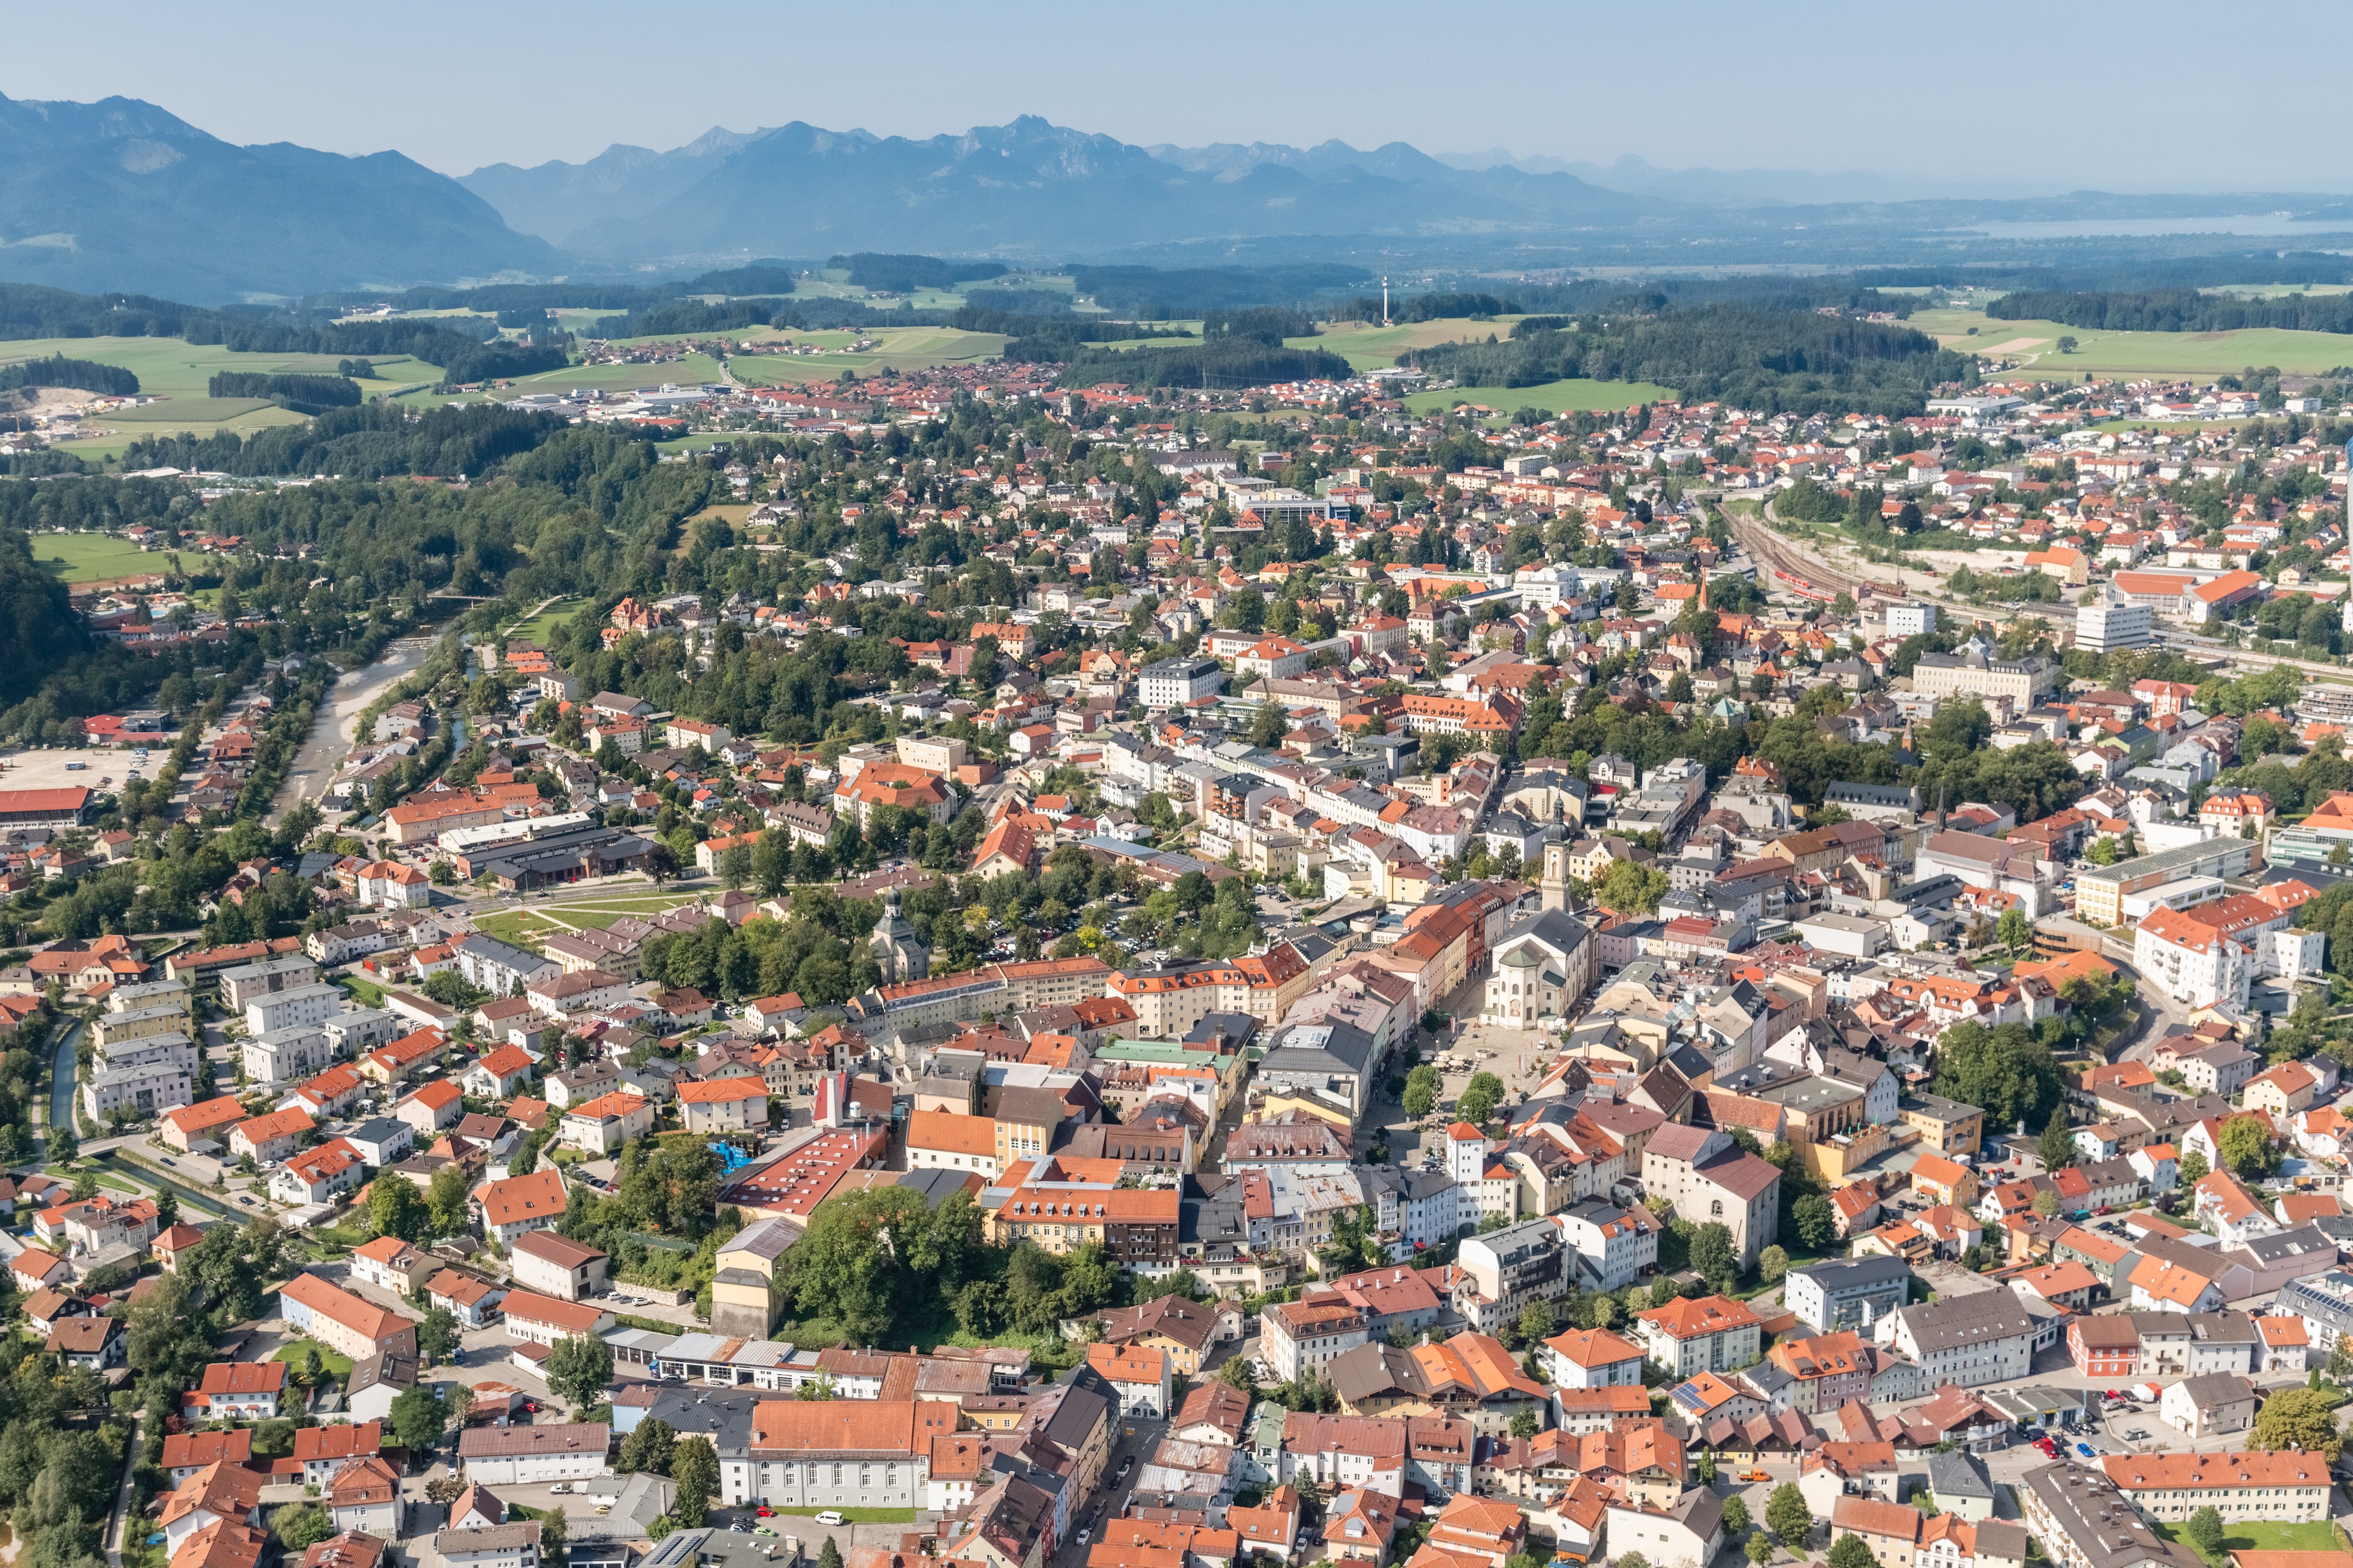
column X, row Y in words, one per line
column 1385, row 312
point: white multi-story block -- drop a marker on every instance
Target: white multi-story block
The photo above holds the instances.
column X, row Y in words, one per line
column 2191, row 962
column 1174, row 682
column 1910, row 618
column 2106, row 621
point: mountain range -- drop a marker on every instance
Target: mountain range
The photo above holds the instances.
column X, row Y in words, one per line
column 1027, row 188
column 120, row 194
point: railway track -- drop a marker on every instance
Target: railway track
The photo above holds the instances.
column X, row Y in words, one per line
column 1771, row 550
column 1780, row 555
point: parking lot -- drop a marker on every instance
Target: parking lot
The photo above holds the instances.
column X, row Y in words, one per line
column 69, row 767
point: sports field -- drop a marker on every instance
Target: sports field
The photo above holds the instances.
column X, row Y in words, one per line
column 529, row 927
column 94, row 557
column 545, row 625
column 2135, row 354
column 1553, row 398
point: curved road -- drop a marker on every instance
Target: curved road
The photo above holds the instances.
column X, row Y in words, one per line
column 61, row 1078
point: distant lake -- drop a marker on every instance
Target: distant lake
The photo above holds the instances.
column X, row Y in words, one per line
column 2261, row 224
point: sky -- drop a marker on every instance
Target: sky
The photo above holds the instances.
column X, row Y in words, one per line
column 2152, row 96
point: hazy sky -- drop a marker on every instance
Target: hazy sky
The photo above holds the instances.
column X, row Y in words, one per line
column 2149, row 96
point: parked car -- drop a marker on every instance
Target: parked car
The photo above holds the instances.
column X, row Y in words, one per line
column 831, row 1516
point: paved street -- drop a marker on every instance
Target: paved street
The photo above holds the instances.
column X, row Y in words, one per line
column 1135, row 1439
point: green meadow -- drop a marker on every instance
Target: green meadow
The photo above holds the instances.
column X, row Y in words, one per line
column 2131, row 355
column 92, row 557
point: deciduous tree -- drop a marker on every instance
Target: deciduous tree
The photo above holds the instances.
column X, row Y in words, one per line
column 695, row 1467
column 579, row 1368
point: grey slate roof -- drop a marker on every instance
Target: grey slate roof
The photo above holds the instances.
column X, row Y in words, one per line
column 1952, row 1476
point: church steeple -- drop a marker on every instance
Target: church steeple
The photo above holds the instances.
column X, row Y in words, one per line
column 899, row 952
column 1554, row 884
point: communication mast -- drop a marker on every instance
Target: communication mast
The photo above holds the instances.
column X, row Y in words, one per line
column 1385, row 321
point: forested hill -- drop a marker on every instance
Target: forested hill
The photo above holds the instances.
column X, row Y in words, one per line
column 2176, row 311
column 120, row 194
column 1792, row 361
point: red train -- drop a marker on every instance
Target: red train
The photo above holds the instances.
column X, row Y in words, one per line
column 1799, row 585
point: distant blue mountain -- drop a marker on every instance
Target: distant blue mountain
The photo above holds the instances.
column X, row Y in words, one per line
column 120, row 194
column 1028, row 188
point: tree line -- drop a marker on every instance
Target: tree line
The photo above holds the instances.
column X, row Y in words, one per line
column 906, row 274
column 1748, row 354
column 1156, row 293
column 78, row 373
column 302, row 393
column 372, row 441
column 692, row 316
column 1424, row 307
column 2176, row 311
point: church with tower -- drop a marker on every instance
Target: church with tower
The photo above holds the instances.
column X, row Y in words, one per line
column 899, row 952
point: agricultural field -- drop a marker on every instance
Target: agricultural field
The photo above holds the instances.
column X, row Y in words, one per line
column 1192, row 326
column 2135, row 354
column 692, row 371
column 1367, row 345
column 180, row 372
column 2277, row 290
column 1553, row 398
column 901, row 349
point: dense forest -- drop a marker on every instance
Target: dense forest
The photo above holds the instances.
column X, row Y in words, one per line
column 906, row 274
column 39, row 631
column 1424, row 307
column 1782, row 361
column 302, row 393
column 692, row 316
column 2176, row 311
column 79, row 374
column 371, row 442
column 1181, row 293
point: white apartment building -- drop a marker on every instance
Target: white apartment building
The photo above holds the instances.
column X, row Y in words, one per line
column 289, row 1009
column 1173, row 683
column 2191, row 962
column 527, row 1456
column 1296, row 1334
column 1968, row 1340
column 2106, row 621
column 297, row 1051
column 1910, row 618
